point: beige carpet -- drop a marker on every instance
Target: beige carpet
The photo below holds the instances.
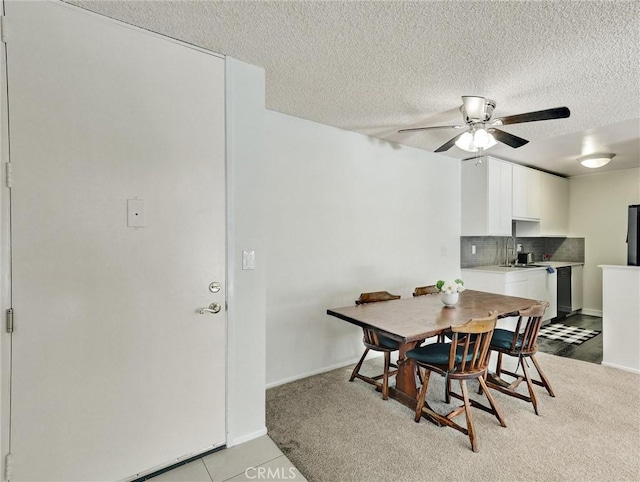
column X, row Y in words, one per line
column 334, row 430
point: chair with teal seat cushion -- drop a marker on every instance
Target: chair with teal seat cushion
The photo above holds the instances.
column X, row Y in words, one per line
column 437, row 354
column 387, row 342
column 504, row 339
column 429, row 290
column 465, row 358
column 376, row 341
column 523, row 344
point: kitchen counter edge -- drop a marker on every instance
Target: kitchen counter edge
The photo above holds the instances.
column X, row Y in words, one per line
column 542, row 265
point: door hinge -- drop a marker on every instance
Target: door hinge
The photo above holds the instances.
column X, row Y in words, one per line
column 3, row 29
column 8, row 467
column 10, row 320
column 9, row 175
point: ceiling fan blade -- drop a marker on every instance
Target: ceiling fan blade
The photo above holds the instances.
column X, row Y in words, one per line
column 449, row 144
column 414, row 129
column 548, row 114
column 508, row 139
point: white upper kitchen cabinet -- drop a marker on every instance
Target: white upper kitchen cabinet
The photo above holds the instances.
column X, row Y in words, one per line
column 526, row 193
column 486, row 197
column 553, row 205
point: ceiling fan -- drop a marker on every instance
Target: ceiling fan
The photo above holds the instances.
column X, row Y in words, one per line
column 480, row 130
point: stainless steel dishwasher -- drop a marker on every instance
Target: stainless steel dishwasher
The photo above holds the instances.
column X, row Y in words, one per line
column 564, row 291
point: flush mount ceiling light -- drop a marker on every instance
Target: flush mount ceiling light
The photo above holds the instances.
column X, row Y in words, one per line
column 594, row 161
column 476, row 140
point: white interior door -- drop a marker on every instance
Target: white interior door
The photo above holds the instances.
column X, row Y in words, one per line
column 114, row 371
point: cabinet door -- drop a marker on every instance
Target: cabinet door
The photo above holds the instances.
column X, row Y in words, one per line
column 499, row 182
column 576, row 288
column 552, row 290
column 486, row 198
column 517, row 284
column 506, row 198
column 543, row 287
column 474, row 199
column 520, row 208
column 533, row 193
column 526, row 193
column 554, row 203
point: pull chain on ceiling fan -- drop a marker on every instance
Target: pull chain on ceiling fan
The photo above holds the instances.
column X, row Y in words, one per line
column 480, row 131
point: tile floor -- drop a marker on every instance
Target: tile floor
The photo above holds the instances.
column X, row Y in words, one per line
column 259, row 460
column 590, row 350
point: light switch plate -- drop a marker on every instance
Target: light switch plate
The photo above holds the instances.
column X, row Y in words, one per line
column 248, row 260
column 135, row 213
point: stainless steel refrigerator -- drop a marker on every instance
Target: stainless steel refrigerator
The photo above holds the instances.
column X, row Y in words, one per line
column 633, row 236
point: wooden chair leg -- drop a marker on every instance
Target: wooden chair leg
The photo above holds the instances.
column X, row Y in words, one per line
column 492, row 402
column 356, row 370
column 422, row 395
column 485, row 373
column 385, row 377
column 499, row 364
column 447, row 393
column 543, row 378
column 467, row 412
column 532, row 393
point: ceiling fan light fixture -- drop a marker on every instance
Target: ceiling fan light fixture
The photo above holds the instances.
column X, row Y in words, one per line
column 594, row 161
column 483, row 139
column 476, row 140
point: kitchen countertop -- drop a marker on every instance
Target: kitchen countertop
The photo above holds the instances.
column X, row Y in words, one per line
column 540, row 265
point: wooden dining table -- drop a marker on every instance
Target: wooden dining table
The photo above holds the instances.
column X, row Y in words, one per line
column 409, row 321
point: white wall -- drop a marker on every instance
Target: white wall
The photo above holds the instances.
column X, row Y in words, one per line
column 345, row 214
column 246, row 288
column 598, row 212
column 5, row 263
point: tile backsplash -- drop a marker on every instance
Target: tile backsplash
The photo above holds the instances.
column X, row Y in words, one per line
column 490, row 250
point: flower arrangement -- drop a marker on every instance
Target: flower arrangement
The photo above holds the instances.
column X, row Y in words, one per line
column 450, row 287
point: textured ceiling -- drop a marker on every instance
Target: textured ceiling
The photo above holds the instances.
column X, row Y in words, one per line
column 377, row 66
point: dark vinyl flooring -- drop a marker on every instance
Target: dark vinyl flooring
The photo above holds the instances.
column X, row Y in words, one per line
column 589, row 351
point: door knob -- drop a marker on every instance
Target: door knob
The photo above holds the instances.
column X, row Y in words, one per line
column 213, row 308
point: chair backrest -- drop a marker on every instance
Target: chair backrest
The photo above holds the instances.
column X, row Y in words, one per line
column 376, row 296
column 371, row 336
column 425, row 290
column 470, row 345
column 527, row 328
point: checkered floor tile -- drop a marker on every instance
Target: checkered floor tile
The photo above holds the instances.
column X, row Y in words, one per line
column 567, row 334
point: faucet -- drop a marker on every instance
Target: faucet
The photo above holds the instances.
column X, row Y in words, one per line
column 506, row 249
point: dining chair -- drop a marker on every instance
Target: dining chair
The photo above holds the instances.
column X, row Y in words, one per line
column 464, row 358
column 521, row 343
column 425, row 290
column 374, row 340
column 428, row 290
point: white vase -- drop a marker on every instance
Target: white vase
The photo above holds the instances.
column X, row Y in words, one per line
column 449, row 299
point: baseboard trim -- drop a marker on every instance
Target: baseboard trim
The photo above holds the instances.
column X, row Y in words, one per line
column 154, row 472
column 277, row 383
column 587, row 311
column 620, row 367
column 247, row 437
